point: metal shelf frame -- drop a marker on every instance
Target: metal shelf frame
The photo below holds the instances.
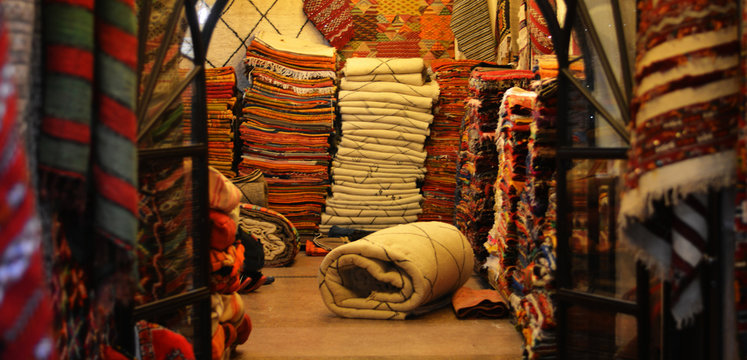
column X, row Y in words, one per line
column 199, row 297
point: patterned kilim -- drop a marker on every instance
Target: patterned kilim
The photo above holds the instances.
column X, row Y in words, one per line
column 332, row 18
column 685, row 112
column 401, row 29
column 503, row 31
column 470, row 23
column 242, row 18
column 26, row 316
column 87, row 159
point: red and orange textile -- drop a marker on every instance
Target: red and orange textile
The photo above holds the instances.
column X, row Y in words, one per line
column 26, row 313
column 332, row 18
column 442, row 145
column 220, row 84
column 478, row 157
column 159, row 343
column 287, row 118
column 401, row 29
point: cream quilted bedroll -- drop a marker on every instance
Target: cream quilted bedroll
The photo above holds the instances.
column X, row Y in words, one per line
column 399, row 271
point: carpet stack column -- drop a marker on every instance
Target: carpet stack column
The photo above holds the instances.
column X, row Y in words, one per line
column 443, row 144
column 522, row 241
column 509, row 236
column 288, row 115
column 385, row 110
column 221, row 99
column 477, row 165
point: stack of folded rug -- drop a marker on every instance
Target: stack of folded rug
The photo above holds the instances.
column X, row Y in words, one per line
column 477, row 165
column 509, row 238
column 221, row 99
column 380, row 157
column 288, row 116
column 443, row 144
column 521, row 243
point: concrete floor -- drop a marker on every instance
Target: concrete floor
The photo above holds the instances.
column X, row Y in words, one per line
column 290, row 321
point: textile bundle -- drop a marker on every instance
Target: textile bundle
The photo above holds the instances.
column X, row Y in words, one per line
column 288, row 116
column 277, row 234
column 509, row 237
column 478, row 157
column 220, row 84
column 230, row 325
column 521, row 243
column 688, row 53
column 403, row 270
column 442, row 146
column 380, row 156
column 25, row 307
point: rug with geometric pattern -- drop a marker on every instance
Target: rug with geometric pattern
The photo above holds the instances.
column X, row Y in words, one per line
column 400, row 29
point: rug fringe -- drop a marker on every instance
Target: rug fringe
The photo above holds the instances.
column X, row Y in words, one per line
column 286, row 71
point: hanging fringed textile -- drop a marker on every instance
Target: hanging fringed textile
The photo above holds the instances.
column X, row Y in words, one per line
column 685, row 112
column 25, row 311
column 87, row 161
column 332, row 18
column 470, row 22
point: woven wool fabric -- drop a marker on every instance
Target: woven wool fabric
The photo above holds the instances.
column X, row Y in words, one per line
column 673, row 141
column 380, row 154
column 478, row 156
column 443, row 144
column 400, row 29
column 396, row 272
column 87, row 147
column 288, row 115
column 470, row 22
column 242, row 19
column 164, row 244
column 539, row 34
column 332, row 18
column 25, row 307
column 220, row 84
column 503, row 32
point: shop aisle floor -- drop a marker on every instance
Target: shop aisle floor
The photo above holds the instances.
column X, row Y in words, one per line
column 290, row 321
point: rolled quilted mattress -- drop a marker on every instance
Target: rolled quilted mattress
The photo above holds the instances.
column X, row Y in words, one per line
column 396, row 272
